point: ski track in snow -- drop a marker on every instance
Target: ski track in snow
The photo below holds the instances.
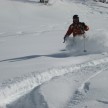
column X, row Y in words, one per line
column 55, row 27
column 80, row 93
column 98, row 8
column 14, row 88
column 21, row 33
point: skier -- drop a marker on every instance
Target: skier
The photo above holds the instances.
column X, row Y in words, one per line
column 76, row 28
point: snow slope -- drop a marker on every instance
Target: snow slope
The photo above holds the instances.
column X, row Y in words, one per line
column 64, row 91
column 35, row 70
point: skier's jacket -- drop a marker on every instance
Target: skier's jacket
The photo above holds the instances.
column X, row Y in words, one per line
column 77, row 29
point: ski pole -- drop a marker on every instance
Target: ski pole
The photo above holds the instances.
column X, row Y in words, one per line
column 84, row 44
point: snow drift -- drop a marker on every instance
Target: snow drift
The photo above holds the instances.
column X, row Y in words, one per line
column 31, row 83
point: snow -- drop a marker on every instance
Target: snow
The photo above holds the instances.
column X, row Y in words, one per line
column 37, row 70
column 97, row 92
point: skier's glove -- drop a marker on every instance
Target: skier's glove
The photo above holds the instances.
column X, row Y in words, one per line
column 65, row 37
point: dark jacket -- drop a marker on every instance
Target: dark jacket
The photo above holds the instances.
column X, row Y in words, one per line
column 77, row 29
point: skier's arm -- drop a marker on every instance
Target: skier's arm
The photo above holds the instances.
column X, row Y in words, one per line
column 86, row 28
column 68, row 33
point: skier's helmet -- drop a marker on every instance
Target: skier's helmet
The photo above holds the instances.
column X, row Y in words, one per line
column 75, row 17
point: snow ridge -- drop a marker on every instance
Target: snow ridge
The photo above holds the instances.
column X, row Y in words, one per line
column 83, row 89
column 14, row 88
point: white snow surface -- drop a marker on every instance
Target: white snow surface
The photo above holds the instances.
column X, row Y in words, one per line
column 37, row 70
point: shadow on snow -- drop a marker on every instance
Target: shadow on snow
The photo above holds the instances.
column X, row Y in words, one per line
column 56, row 55
column 26, row 1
